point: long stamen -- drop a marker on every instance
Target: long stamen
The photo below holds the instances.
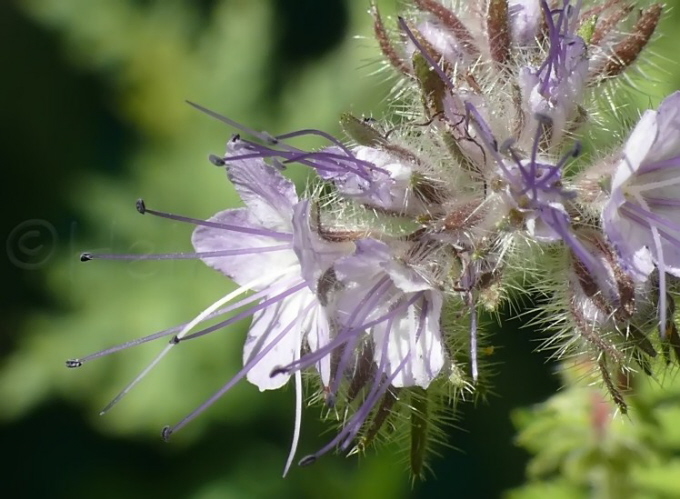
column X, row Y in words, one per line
column 366, row 305
column 86, row 257
column 298, row 417
column 353, row 426
column 343, row 337
column 473, row 338
column 197, row 320
column 320, row 133
column 141, row 208
column 661, row 264
column 71, row 363
column 292, row 289
column 264, row 137
column 486, row 135
column 168, row 430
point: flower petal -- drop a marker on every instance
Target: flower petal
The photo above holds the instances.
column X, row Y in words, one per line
column 267, row 194
column 316, row 255
column 414, row 335
column 636, row 149
column 667, row 140
column 251, row 265
column 269, row 327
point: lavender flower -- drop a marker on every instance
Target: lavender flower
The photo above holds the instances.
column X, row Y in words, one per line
column 641, row 218
column 372, row 177
column 272, row 211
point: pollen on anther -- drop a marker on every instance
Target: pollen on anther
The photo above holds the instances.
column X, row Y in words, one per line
column 72, row 363
column 85, row 257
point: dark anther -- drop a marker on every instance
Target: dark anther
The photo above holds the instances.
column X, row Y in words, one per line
column 236, row 137
column 71, row 363
column 307, row 460
column 174, row 340
column 85, row 257
column 216, row 160
column 577, row 150
column 278, row 370
column 270, row 138
column 278, row 164
column 543, row 119
column 141, row 207
column 165, row 433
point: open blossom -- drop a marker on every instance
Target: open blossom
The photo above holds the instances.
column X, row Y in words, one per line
column 642, row 217
column 408, row 340
column 372, row 281
column 272, row 210
column 372, row 177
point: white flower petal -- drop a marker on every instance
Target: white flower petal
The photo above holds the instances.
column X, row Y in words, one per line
column 425, row 353
column 282, row 325
column 250, row 266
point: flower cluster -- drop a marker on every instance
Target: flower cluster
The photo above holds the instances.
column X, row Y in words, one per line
column 373, row 281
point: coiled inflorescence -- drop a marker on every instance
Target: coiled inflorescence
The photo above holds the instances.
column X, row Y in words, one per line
column 374, row 281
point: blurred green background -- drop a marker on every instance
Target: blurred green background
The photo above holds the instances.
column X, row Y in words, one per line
column 93, row 117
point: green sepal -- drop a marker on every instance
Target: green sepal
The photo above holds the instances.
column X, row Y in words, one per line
column 360, row 131
column 432, row 86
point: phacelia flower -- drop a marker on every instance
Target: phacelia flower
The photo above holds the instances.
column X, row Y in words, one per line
column 642, row 217
column 374, row 282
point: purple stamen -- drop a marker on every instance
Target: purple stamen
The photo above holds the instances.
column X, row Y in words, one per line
column 338, row 162
column 629, row 207
column 398, row 308
column 320, row 133
column 294, row 288
column 290, row 153
column 86, row 257
column 555, row 63
column 141, row 208
column 354, row 425
column 166, row 332
column 343, row 337
column 560, row 224
column 264, row 137
column 659, row 165
column 473, row 339
column 169, row 430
